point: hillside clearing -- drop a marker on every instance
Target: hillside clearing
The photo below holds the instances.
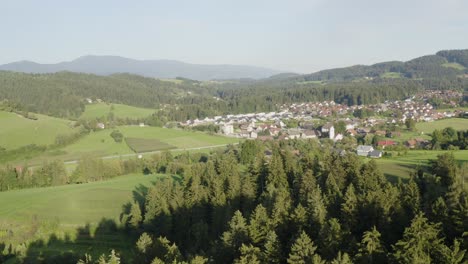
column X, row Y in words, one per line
column 99, row 110
column 17, row 131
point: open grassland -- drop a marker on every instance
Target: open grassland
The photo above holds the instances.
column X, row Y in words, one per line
column 401, row 166
column 101, row 144
column 391, row 75
column 17, row 131
column 72, row 205
column 454, row 65
column 456, row 123
column 120, row 111
column 32, row 214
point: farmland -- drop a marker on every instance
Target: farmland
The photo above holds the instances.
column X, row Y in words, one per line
column 120, row 111
column 101, row 144
column 17, row 131
column 140, row 145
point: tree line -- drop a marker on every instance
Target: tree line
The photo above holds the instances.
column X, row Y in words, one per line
column 301, row 204
column 63, row 94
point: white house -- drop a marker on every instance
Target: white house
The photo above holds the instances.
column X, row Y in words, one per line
column 227, row 129
column 363, row 150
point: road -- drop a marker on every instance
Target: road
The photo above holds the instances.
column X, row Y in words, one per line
column 152, row 152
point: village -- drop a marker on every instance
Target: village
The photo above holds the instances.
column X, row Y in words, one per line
column 332, row 121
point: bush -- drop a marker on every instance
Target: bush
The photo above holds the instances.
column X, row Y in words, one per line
column 117, row 136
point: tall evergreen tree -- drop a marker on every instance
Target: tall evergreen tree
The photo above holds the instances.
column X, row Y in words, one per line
column 302, row 251
column 272, row 252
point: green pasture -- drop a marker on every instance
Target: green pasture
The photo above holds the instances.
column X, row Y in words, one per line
column 120, row 111
column 400, row 166
column 429, row 127
column 17, row 131
column 391, row 75
column 101, row 144
column 33, row 214
column 454, row 65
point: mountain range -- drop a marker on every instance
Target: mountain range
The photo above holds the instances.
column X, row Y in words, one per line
column 443, row 64
column 107, row 65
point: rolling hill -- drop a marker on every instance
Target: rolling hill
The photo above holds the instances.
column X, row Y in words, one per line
column 107, row 65
column 443, row 64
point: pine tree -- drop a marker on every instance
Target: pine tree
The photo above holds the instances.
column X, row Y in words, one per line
column 198, row 260
column 317, row 210
column 259, row 225
column 166, row 251
column 419, row 242
column 304, row 187
column 276, row 175
column 331, row 237
column 158, row 215
column 411, row 198
column 302, row 251
column 342, row 258
column 272, row 249
column 144, row 246
column 371, row 249
column 299, row 219
column 236, row 235
column 349, row 209
column 446, row 168
column 135, row 215
column 249, row 255
column 144, row 243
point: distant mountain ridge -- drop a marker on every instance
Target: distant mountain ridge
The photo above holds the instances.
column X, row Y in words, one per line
column 107, row 65
column 443, row 64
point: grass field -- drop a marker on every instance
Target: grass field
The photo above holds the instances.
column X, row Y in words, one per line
column 391, row 75
column 101, row 144
column 63, row 209
column 456, row 123
column 17, row 131
column 454, row 65
column 402, row 166
column 146, row 145
column 122, row 111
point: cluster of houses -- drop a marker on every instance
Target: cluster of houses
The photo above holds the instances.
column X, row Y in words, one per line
column 416, row 108
column 279, row 130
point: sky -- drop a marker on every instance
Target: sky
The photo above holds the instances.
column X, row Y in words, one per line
column 292, row 35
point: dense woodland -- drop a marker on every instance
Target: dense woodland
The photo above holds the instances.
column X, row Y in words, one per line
column 301, row 204
column 63, row 94
column 284, row 202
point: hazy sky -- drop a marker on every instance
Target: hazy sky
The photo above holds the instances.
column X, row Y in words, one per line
column 291, row 35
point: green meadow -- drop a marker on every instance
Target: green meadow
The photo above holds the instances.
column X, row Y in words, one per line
column 17, row 131
column 120, row 111
column 391, row 75
column 429, row 127
column 454, row 65
column 101, row 144
column 400, row 166
column 62, row 210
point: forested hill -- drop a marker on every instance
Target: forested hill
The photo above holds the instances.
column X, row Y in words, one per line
column 63, row 94
column 444, row 64
column 107, row 65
